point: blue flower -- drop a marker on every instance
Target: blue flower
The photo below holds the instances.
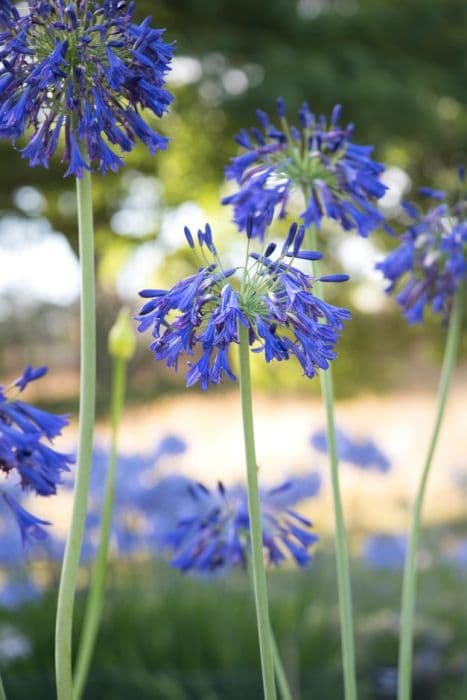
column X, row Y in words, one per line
column 85, row 70
column 272, row 298
column 361, row 453
column 137, row 503
column 385, row 551
column 25, row 455
column 216, row 535
column 16, row 593
column 430, row 261
column 338, row 178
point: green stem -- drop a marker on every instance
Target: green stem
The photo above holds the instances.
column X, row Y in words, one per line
column 259, row 573
column 281, row 676
column 342, row 556
column 409, row 585
column 2, row 690
column 66, row 595
column 96, row 593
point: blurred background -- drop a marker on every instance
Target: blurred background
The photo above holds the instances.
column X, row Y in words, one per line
column 399, row 69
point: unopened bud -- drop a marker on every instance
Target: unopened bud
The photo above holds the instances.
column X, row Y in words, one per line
column 122, row 339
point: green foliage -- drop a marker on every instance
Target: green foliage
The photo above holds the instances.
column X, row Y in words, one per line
column 172, row 637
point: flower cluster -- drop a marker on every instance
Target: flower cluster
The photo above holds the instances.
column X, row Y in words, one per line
column 273, row 300
column 216, row 535
column 24, row 453
column 84, row 70
column 431, row 260
column 361, row 453
column 338, row 178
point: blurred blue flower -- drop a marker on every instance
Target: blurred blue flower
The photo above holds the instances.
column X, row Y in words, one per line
column 216, row 535
column 15, row 593
column 86, row 71
column 385, row 551
column 273, row 299
column 361, row 453
column 340, row 178
column 24, row 454
column 136, row 507
column 457, row 555
column 431, row 259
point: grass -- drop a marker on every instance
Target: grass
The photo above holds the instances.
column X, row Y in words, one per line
column 171, row 637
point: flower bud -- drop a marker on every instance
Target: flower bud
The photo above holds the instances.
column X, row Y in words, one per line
column 122, row 340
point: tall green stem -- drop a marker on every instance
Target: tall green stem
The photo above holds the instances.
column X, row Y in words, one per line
column 342, row 556
column 66, row 595
column 409, row 585
column 259, row 573
column 93, row 611
column 2, row 690
column 281, row 676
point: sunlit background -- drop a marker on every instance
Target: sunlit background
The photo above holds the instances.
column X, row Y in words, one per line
column 398, row 68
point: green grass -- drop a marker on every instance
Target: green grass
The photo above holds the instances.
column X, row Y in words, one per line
column 171, row 637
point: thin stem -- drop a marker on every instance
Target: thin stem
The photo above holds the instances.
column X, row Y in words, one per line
column 2, row 690
column 409, row 586
column 93, row 611
column 66, row 595
column 342, row 556
column 254, row 507
column 281, row 676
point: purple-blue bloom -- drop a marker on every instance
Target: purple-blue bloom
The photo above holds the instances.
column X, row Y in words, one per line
column 15, row 593
column 361, row 453
column 385, row 551
column 27, row 462
column 86, row 71
column 430, row 261
column 271, row 297
column 339, row 179
column 216, row 535
column 136, row 513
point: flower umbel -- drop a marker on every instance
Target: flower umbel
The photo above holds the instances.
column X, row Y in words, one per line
column 272, row 298
column 431, row 260
column 216, row 536
column 25, row 454
column 340, row 179
column 85, row 70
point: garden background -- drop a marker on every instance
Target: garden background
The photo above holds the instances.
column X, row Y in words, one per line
column 399, row 69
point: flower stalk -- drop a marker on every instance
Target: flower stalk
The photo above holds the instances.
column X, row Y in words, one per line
column 342, row 556
column 92, row 615
column 409, row 586
column 2, row 690
column 281, row 676
column 67, row 588
column 258, row 569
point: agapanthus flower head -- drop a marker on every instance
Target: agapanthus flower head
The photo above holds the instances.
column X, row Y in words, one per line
column 270, row 297
column 83, row 69
column 27, row 462
column 430, row 261
column 338, row 178
column 362, row 453
column 216, row 534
